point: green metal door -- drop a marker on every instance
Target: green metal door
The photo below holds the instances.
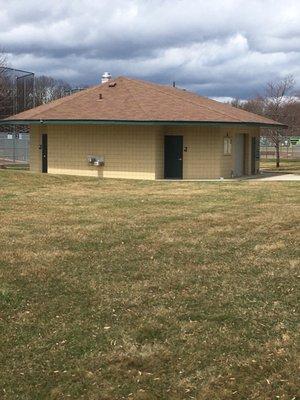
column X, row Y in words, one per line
column 173, row 157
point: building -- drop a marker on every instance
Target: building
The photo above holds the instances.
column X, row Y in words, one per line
column 128, row 128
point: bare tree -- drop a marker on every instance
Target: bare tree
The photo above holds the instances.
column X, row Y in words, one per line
column 254, row 105
column 236, row 102
column 2, row 70
column 2, row 60
column 48, row 89
column 4, row 85
column 276, row 102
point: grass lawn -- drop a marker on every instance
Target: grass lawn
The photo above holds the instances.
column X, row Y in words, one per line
column 115, row 289
column 286, row 165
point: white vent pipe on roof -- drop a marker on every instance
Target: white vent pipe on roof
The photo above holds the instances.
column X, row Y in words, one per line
column 106, row 77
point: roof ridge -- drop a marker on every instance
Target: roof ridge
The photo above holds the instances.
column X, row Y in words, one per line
column 188, row 100
column 132, row 95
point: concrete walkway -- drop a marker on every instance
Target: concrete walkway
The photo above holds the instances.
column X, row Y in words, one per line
column 264, row 176
column 277, row 177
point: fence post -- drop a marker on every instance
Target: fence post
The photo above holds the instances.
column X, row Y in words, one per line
column 14, row 146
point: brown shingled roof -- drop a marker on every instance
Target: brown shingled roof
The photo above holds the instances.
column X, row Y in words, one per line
column 134, row 100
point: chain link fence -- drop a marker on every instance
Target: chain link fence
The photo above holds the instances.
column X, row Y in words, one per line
column 291, row 152
column 14, row 147
column 290, row 149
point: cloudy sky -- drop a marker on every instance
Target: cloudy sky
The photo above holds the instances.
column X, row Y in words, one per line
column 219, row 48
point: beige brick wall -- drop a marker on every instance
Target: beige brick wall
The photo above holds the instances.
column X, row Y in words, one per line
column 137, row 151
column 129, row 151
column 34, row 152
column 204, row 158
column 228, row 162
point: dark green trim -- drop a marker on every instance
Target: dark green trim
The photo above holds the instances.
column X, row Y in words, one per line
column 129, row 122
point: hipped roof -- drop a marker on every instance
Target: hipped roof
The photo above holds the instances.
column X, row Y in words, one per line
column 126, row 100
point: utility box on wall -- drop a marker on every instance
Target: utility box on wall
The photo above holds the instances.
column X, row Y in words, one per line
column 97, row 161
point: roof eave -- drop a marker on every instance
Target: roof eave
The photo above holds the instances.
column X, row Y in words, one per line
column 133, row 122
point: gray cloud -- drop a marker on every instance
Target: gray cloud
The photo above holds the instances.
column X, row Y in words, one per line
column 218, row 48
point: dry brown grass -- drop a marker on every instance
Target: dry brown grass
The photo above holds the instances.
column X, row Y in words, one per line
column 116, row 289
column 286, row 165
